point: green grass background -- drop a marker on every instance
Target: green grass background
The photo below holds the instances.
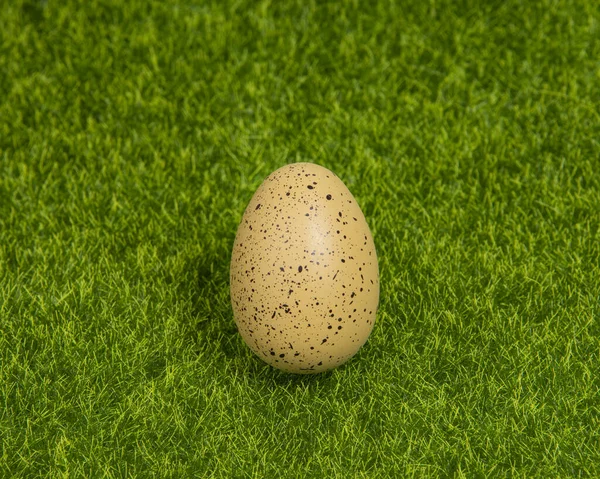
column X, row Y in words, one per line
column 133, row 134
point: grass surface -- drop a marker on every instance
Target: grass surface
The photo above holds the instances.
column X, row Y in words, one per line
column 133, row 134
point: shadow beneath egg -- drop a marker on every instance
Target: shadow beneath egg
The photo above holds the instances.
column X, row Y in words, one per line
column 321, row 383
column 267, row 378
column 206, row 283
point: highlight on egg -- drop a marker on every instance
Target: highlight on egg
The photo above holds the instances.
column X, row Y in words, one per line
column 304, row 276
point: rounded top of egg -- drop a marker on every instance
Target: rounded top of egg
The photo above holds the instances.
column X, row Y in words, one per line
column 304, row 276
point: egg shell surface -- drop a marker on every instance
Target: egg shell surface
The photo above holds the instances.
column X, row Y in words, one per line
column 304, row 276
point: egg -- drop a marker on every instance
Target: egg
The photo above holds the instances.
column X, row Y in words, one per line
column 304, row 276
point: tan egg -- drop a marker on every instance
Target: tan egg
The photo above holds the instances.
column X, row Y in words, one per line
column 304, row 273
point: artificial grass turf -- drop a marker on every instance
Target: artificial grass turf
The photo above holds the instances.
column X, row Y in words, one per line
column 133, row 134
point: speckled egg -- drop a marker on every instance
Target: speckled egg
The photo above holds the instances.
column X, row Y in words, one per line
column 304, row 273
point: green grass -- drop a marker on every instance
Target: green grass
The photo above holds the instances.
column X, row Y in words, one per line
column 133, row 134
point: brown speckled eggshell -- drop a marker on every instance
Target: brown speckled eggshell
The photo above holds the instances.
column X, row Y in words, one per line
column 304, row 273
